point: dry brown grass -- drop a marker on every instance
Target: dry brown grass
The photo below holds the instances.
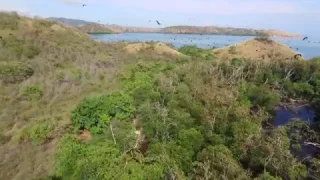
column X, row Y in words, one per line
column 256, row 50
column 158, row 48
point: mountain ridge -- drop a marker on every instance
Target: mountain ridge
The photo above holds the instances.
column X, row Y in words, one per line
column 182, row 29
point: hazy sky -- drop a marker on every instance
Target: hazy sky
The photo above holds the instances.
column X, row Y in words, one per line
column 298, row 16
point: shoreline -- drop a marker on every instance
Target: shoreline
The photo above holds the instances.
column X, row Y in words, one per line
column 216, row 34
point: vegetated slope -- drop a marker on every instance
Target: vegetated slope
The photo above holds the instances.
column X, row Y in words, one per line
column 257, row 49
column 71, row 22
column 79, row 109
column 157, row 48
column 95, row 28
column 45, row 68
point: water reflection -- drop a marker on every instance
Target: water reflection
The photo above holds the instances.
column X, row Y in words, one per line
column 284, row 115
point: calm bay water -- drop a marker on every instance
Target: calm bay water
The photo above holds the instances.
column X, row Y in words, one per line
column 309, row 48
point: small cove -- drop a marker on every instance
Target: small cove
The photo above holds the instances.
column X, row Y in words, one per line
column 308, row 49
column 283, row 115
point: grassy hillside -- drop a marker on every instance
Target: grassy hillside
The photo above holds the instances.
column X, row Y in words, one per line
column 45, row 69
column 71, row 22
column 95, row 29
column 74, row 108
column 260, row 49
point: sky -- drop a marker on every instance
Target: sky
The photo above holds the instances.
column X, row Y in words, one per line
column 296, row 16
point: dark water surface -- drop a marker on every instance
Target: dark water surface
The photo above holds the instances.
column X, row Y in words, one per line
column 309, row 48
column 305, row 113
column 284, row 115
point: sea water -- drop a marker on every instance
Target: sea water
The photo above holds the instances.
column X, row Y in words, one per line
column 309, row 48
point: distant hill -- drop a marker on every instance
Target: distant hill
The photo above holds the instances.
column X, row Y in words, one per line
column 179, row 29
column 71, row 22
column 209, row 30
column 256, row 49
column 95, row 29
column 224, row 31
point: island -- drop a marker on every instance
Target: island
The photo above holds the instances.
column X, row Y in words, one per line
column 96, row 28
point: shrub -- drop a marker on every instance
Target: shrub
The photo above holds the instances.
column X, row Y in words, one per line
column 267, row 176
column 9, row 20
column 76, row 160
column 196, row 53
column 32, row 92
column 219, row 162
column 39, row 132
column 237, row 62
column 13, row 71
column 233, row 49
column 303, row 89
column 21, row 47
column 95, row 113
column 263, row 37
column 259, row 96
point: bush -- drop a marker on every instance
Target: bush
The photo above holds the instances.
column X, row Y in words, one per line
column 13, row 72
column 9, row 20
column 219, row 162
column 197, row 53
column 267, row 176
column 20, row 47
column 32, row 92
column 303, row 89
column 263, row 37
column 39, row 132
column 95, row 113
column 233, row 49
column 259, row 96
column 100, row 160
column 75, row 160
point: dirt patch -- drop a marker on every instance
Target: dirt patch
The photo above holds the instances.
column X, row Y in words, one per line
column 85, row 135
column 159, row 48
column 256, row 50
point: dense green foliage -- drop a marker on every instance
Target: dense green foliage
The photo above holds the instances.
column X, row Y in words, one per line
column 192, row 124
column 78, row 109
column 94, row 114
column 197, row 53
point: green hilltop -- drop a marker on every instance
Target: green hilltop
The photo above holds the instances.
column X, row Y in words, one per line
column 75, row 108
